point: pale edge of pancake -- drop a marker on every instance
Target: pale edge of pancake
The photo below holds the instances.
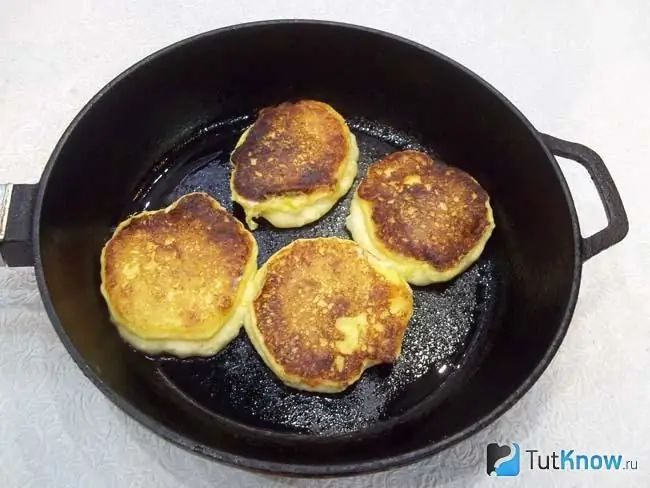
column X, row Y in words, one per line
column 293, row 211
column 184, row 347
column 295, row 381
column 419, row 273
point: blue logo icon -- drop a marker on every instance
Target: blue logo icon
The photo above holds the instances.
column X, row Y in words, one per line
column 502, row 460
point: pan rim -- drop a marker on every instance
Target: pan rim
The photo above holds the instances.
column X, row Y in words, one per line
column 290, row 468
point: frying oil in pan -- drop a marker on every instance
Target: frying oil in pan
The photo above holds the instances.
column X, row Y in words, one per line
column 447, row 320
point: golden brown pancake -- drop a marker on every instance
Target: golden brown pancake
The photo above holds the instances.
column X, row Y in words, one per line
column 324, row 311
column 293, row 164
column 428, row 220
column 174, row 279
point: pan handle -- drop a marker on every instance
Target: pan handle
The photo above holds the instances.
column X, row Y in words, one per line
column 16, row 215
column 617, row 222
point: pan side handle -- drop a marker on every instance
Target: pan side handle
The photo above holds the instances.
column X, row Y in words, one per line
column 617, row 222
column 16, row 216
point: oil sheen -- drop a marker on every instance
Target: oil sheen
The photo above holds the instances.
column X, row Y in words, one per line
column 447, row 322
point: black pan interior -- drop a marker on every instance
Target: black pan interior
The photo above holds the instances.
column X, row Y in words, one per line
column 449, row 319
column 175, row 117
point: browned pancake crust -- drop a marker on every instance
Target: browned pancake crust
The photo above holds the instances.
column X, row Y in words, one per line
column 437, row 218
column 316, row 282
column 197, row 249
column 291, row 148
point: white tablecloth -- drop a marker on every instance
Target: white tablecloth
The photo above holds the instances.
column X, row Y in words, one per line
column 579, row 70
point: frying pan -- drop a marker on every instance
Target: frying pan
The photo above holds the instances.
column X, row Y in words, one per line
column 166, row 126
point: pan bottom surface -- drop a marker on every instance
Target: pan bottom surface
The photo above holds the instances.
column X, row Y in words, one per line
column 448, row 325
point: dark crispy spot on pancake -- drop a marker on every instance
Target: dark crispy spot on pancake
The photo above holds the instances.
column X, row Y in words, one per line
column 221, row 227
column 225, row 302
column 314, row 176
column 291, row 148
column 298, row 308
column 425, row 209
column 340, row 306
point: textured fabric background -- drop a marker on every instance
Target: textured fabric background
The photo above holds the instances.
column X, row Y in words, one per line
column 577, row 69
